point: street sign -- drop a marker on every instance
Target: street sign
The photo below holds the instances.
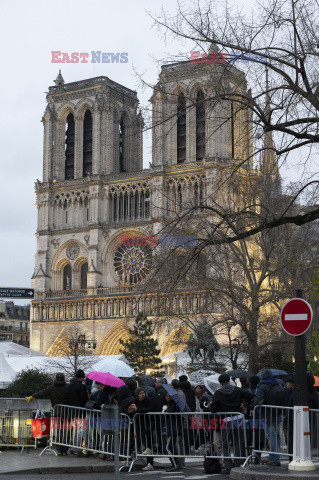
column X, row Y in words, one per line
column 11, row 292
column 296, row 317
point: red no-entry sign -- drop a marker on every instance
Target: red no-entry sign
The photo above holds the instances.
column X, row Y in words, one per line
column 296, row 316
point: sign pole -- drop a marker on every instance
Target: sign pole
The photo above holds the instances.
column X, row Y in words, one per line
column 301, row 435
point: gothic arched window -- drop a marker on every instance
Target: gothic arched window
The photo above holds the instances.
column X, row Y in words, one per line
column 200, row 126
column 84, row 271
column 69, row 147
column 67, row 277
column 181, row 129
column 121, row 145
column 87, row 144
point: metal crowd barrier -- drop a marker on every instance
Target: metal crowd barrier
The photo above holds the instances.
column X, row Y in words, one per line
column 15, row 421
column 314, row 433
column 179, row 435
column 272, row 431
column 87, row 430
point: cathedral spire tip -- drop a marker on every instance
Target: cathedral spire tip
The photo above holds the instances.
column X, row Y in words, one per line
column 59, row 79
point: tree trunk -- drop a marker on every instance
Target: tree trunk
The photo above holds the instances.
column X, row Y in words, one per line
column 252, row 339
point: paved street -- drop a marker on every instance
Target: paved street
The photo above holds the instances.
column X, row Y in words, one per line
column 191, row 473
column 13, row 465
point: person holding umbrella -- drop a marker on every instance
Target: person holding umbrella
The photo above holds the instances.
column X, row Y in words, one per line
column 173, row 428
column 107, row 385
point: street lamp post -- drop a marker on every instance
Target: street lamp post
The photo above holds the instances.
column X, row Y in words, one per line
column 83, row 342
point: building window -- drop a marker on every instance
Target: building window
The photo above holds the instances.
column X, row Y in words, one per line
column 121, row 145
column 132, row 263
column 181, row 129
column 200, row 126
column 69, row 147
column 67, row 277
column 130, row 205
column 87, row 144
column 84, row 271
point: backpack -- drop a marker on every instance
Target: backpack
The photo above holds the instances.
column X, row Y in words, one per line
column 277, row 396
column 212, row 465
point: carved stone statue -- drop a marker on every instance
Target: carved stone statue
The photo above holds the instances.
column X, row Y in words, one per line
column 202, row 344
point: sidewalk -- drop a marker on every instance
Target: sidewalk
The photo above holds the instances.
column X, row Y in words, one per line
column 12, row 461
column 263, row 472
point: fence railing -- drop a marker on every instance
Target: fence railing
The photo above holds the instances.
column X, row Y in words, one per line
column 16, row 417
column 179, row 435
column 314, row 433
column 272, row 432
column 87, row 430
column 228, row 436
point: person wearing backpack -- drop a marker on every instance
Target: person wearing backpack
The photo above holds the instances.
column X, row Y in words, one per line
column 270, row 392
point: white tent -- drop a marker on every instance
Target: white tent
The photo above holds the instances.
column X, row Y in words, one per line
column 7, row 374
column 11, row 348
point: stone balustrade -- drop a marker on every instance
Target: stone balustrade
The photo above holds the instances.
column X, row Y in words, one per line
column 123, row 304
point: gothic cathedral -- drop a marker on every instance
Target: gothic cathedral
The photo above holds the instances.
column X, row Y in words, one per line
column 95, row 193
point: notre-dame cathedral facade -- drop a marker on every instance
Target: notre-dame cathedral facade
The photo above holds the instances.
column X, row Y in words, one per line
column 95, row 191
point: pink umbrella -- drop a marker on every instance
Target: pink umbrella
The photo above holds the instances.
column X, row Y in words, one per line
column 106, row 379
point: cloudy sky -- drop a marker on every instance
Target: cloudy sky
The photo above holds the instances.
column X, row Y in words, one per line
column 30, row 31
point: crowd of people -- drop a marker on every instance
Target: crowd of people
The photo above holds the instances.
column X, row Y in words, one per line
column 180, row 433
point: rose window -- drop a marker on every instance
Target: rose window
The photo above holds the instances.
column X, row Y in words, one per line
column 132, row 263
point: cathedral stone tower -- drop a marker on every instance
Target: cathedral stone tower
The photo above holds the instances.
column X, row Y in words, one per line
column 95, row 193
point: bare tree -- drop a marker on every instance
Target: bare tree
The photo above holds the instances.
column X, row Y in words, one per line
column 249, row 278
column 281, row 37
column 72, row 353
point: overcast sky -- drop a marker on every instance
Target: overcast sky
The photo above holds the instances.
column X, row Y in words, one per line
column 29, row 32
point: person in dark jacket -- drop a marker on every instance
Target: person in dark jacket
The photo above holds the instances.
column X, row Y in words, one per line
column 172, row 435
column 57, row 392
column 190, row 397
column 144, row 424
column 127, row 406
column 188, row 390
column 125, row 400
column 148, row 383
column 77, row 394
column 131, row 383
column 177, row 386
column 267, row 381
column 229, row 398
column 289, row 417
column 105, row 395
column 160, row 394
column 143, row 403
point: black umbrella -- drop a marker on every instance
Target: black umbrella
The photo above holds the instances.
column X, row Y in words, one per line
column 239, row 373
